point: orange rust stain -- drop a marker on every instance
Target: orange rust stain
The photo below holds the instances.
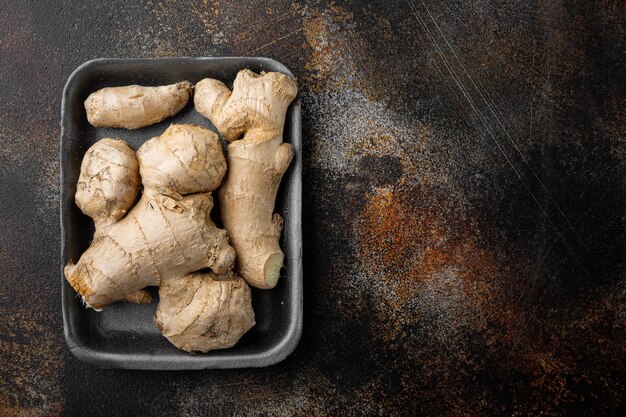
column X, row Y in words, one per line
column 433, row 260
column 387, row 233
column 50, row 411
column 329, row 60
column 376, row 144
column 407, row 243
column 400, row 230
column 409, row 240
column 404, row 244
column 334, row 44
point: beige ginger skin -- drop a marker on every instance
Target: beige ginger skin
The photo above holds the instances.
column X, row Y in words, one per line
column 204, row 311
column 109, row 182
column 163, row 238
column 252, row 118
column 135, row 106
column 168, row 233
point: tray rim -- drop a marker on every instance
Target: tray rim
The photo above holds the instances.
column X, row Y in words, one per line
column 277, row 352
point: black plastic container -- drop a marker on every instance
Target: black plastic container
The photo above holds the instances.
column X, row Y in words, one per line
column 123, row 335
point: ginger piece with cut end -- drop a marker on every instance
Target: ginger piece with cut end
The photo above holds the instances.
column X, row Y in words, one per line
column 255, row 109
column 204, row 311
column 136, row 106
column 168, row 233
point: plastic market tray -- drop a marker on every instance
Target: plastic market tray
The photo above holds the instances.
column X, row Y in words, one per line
column 123, row 335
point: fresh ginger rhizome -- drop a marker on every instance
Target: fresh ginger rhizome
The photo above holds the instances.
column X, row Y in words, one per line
column 166, row 236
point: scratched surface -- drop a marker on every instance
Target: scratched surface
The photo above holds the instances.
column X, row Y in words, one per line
column 465, row 204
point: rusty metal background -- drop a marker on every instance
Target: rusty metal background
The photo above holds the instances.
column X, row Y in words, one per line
column 465, row 204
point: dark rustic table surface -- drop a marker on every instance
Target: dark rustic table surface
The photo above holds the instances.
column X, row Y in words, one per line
column 464, row 206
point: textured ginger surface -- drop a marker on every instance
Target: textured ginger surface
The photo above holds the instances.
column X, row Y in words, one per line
column 252, row 118
column 136, row 106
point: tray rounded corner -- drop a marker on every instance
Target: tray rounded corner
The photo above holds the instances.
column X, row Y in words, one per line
column 287, row 344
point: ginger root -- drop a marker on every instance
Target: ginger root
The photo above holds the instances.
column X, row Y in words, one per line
column 164, row 238
column 109, row 181
column 135, row 106
column 168, row 233
column 167, row 238
column 204, row 311
column 256, row 108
